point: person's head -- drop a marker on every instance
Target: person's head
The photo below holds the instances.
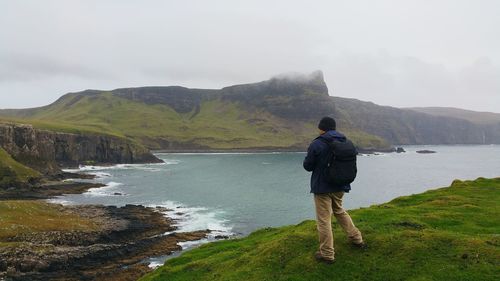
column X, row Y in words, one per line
column 326, row 124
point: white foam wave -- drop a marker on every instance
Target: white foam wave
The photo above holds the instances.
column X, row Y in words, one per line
column 171, row 161
column 110, row 189
column 155, row 264
column 372, row 154
column 60, row 200
column 195, row 218
column 90, row 168
column 189, row 219
column 71, row 170
column 100, row 175
column 190, row 244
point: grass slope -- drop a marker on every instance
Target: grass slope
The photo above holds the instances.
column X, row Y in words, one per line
column 13, row 172
column 444, row 234
column 31, row 217
column 24, row 217
column 217, row 124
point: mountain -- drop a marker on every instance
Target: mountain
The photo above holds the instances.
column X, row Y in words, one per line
column 483, row 118
column 280, row 113
column 405, row 126
column 276, row 114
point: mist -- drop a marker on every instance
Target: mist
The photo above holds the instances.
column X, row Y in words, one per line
column 397, row 53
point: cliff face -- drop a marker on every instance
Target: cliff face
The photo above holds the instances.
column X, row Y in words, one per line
column 294, row 98
column 403, row 126
column 46, row 151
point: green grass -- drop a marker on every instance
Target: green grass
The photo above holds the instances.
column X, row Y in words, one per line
column 13, row 172
column 445, row 234
column 58, row 126
column 218, row 124
column 17, row 217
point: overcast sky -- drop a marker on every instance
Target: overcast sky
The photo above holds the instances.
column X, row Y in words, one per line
column 398, row 53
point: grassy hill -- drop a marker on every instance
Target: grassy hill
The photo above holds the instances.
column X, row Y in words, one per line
column 218, row 124
column 444, row 234
column 280, row 113
column 13, row 172
column 57, row 126
column 274, row 114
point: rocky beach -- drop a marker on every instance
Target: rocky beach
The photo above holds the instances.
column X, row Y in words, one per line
column 44, row 241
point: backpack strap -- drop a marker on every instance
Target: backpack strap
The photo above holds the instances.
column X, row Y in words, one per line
column 330, row 154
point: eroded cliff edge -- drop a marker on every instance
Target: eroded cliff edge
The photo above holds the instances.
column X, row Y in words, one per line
column 48, row 151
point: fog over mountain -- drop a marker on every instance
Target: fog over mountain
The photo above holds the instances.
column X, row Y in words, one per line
column 398, row 53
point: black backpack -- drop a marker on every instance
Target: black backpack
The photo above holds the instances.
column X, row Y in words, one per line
column 341, row 166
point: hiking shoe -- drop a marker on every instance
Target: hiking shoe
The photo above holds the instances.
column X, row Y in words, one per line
column 322, row 259
column 361, row 245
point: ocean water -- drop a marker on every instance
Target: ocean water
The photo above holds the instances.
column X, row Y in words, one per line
column 237, row 193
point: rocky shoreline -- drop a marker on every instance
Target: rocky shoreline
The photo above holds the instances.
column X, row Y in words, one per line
column 114, row 249
column 46, row 191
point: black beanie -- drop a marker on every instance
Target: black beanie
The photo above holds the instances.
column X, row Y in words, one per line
column 327, row 124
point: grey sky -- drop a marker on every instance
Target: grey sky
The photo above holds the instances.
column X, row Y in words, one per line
column 398, row 53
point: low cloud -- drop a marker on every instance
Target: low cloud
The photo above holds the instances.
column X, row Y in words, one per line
column 52, row 47
column 409, row 81
column 25, row 67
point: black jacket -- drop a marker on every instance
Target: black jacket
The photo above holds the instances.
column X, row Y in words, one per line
column 316, row 162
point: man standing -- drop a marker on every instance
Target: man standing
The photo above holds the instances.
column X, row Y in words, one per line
column 327, row 196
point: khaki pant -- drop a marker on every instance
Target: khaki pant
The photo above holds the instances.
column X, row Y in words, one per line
column 325, row 205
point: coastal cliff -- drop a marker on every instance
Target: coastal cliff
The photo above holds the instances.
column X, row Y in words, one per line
column 47, row 151
column 408, row 127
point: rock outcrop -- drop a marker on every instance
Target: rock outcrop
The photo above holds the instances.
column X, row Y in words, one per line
column 115, row 249
column 46, row 151
column 292, row 96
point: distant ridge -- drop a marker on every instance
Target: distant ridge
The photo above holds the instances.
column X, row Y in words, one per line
column 277, row 114
column 484, row 118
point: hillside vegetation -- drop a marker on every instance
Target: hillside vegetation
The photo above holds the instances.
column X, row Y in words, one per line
column 217, row 124
column 20, row 217
column 444, row 234
column 277, row 114
column 57, row 126
column 274, row 114
column 13, row 172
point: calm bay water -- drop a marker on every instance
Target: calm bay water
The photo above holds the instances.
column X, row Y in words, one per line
column 238, row 193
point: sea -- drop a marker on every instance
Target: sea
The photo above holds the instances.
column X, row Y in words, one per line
column 233, row 194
